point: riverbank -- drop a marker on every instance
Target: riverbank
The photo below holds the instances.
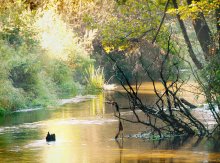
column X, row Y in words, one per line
column 60, row 102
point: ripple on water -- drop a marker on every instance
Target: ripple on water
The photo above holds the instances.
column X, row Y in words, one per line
column 86, row 122
column 36, row 144
column 27, row 110
column 76, row 99
column 17, row 128
column 32, row 125
column 9, row 129
column 1, row 130
column 15, row 149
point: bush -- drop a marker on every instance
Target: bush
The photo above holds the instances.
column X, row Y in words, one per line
column 94, row 78
column 11, row 98
column 211, row 80
column 63, row 77
column 41, row 59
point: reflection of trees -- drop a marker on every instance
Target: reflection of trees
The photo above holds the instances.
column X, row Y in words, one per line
column 120, row 146
column 213, row 143
column 97, row 106
column 168, row 150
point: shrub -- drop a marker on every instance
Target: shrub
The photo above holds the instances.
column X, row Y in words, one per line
column 94, row 78
column 41, row 59
column 62, row 75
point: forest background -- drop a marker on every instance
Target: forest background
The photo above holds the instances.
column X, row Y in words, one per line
column 51, row 49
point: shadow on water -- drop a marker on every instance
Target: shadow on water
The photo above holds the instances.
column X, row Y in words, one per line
column 178, row 149
column 85, row 133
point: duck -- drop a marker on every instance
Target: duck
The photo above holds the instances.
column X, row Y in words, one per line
column 50, row 137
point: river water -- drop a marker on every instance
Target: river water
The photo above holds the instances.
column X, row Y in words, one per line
column 85, row 134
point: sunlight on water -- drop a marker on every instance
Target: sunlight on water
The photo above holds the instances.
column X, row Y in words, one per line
column 144, row 88
column 189, row 91
column 97, row 105
column 85, row 134
column 176, row 156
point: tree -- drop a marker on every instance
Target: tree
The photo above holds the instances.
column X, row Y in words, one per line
column 196, row 11
column 169, row 115
column 132, row 22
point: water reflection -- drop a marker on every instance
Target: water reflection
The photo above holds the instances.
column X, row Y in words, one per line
column 85, row 133
column 97, row 105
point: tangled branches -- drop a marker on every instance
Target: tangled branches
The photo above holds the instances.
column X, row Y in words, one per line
column 169, row 114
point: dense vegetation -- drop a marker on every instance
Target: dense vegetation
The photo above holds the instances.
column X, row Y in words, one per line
column 42, row 58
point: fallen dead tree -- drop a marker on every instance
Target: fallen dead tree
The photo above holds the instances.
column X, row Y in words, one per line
column 170, row 115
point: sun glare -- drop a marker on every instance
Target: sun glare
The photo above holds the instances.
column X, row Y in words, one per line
column 55, row 36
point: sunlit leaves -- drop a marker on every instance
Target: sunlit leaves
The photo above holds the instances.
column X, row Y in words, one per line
column 16, row 23
column 54, row 34
column 94, row 77
column 37, row 50
column 129, row 22
column 192, row 10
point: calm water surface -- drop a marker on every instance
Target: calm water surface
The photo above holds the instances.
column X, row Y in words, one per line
column 85, row 133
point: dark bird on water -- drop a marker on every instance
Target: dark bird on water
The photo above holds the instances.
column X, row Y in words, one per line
column 50, row 137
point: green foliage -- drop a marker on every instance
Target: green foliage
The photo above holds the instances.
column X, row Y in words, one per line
column 130, row 21
column 79, row 64
column 41, row 59
column 63, row 78
column 192, row 10
column 10, row 97
column 2, row 112
column 94, row 78
column 211, row 80
column 23, row 79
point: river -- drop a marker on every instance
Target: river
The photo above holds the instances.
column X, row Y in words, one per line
column 85, row 134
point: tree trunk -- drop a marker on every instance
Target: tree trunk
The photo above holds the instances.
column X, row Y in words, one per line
column 186, row 38
column 217, row 14
column 203, row 34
